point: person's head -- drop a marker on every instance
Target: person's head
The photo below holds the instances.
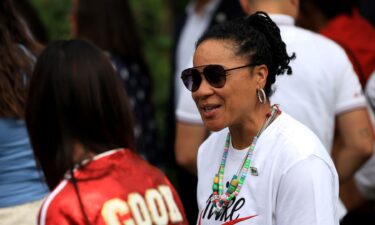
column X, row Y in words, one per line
column 314, row 14
column 31, row 18
column 288, row 7
column 109, row 24
column 75, row 99
column 226, row 98
column 16, row 62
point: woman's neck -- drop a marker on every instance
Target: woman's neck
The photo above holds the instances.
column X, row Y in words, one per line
column 80, row 153
column 242, row 134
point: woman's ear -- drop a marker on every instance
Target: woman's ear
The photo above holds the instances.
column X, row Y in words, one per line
column 261, row 73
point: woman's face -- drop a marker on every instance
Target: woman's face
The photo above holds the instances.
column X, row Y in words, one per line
column 232, row 104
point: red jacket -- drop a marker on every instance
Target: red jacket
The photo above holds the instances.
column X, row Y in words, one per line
column 116, row 187
column 357, row 37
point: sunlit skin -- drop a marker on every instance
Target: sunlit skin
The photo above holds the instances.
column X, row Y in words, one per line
column 236, row 104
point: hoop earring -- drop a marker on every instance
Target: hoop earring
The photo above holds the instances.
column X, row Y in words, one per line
column 261, row 95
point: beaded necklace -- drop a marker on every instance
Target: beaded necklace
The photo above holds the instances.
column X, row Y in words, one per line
column 220, row 200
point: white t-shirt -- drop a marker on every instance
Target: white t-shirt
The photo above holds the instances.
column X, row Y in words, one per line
column 296, row 184
column 323, row 83
column 370, row 90
column 322, row 86
column 365, row 179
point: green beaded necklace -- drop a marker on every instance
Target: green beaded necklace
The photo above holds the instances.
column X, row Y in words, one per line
column 220, row 200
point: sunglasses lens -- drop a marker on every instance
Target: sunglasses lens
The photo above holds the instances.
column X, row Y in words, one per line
column 191, row 78
column 215, row 75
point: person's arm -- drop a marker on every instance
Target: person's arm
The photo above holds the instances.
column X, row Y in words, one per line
column 353, row 142
column 357, row 191
column 188, row 139
column 351, row 196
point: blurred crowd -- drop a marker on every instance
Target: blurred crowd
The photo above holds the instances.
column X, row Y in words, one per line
column 77, row 116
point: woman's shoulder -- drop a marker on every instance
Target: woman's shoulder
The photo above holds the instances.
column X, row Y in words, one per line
column 292, row 129
column 115, row 175
column 297, row 138
column 57, row 203
column 294, row 143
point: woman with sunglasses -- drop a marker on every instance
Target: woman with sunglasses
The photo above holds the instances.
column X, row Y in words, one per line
column 81, row 130
column 260, row 166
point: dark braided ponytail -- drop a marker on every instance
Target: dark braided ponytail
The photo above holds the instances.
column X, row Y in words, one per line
column 258, row 37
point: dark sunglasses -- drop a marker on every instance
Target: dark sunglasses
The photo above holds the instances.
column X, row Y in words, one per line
column 216, row 75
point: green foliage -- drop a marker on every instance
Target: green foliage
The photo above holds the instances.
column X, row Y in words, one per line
column 153, row 19
column 54, row 14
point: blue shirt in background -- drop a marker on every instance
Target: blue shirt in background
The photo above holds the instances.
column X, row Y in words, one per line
column 20, row 179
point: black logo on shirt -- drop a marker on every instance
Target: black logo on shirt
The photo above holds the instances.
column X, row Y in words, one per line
column 230, row 212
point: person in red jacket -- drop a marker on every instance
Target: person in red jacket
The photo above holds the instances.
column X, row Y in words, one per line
column 341, row 21
column 81, row 131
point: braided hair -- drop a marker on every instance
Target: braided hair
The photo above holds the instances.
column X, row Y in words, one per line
column 257, row 37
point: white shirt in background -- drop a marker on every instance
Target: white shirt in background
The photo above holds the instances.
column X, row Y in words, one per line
column 193, row 29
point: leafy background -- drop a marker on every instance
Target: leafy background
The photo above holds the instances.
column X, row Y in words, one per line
column 155, row 20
